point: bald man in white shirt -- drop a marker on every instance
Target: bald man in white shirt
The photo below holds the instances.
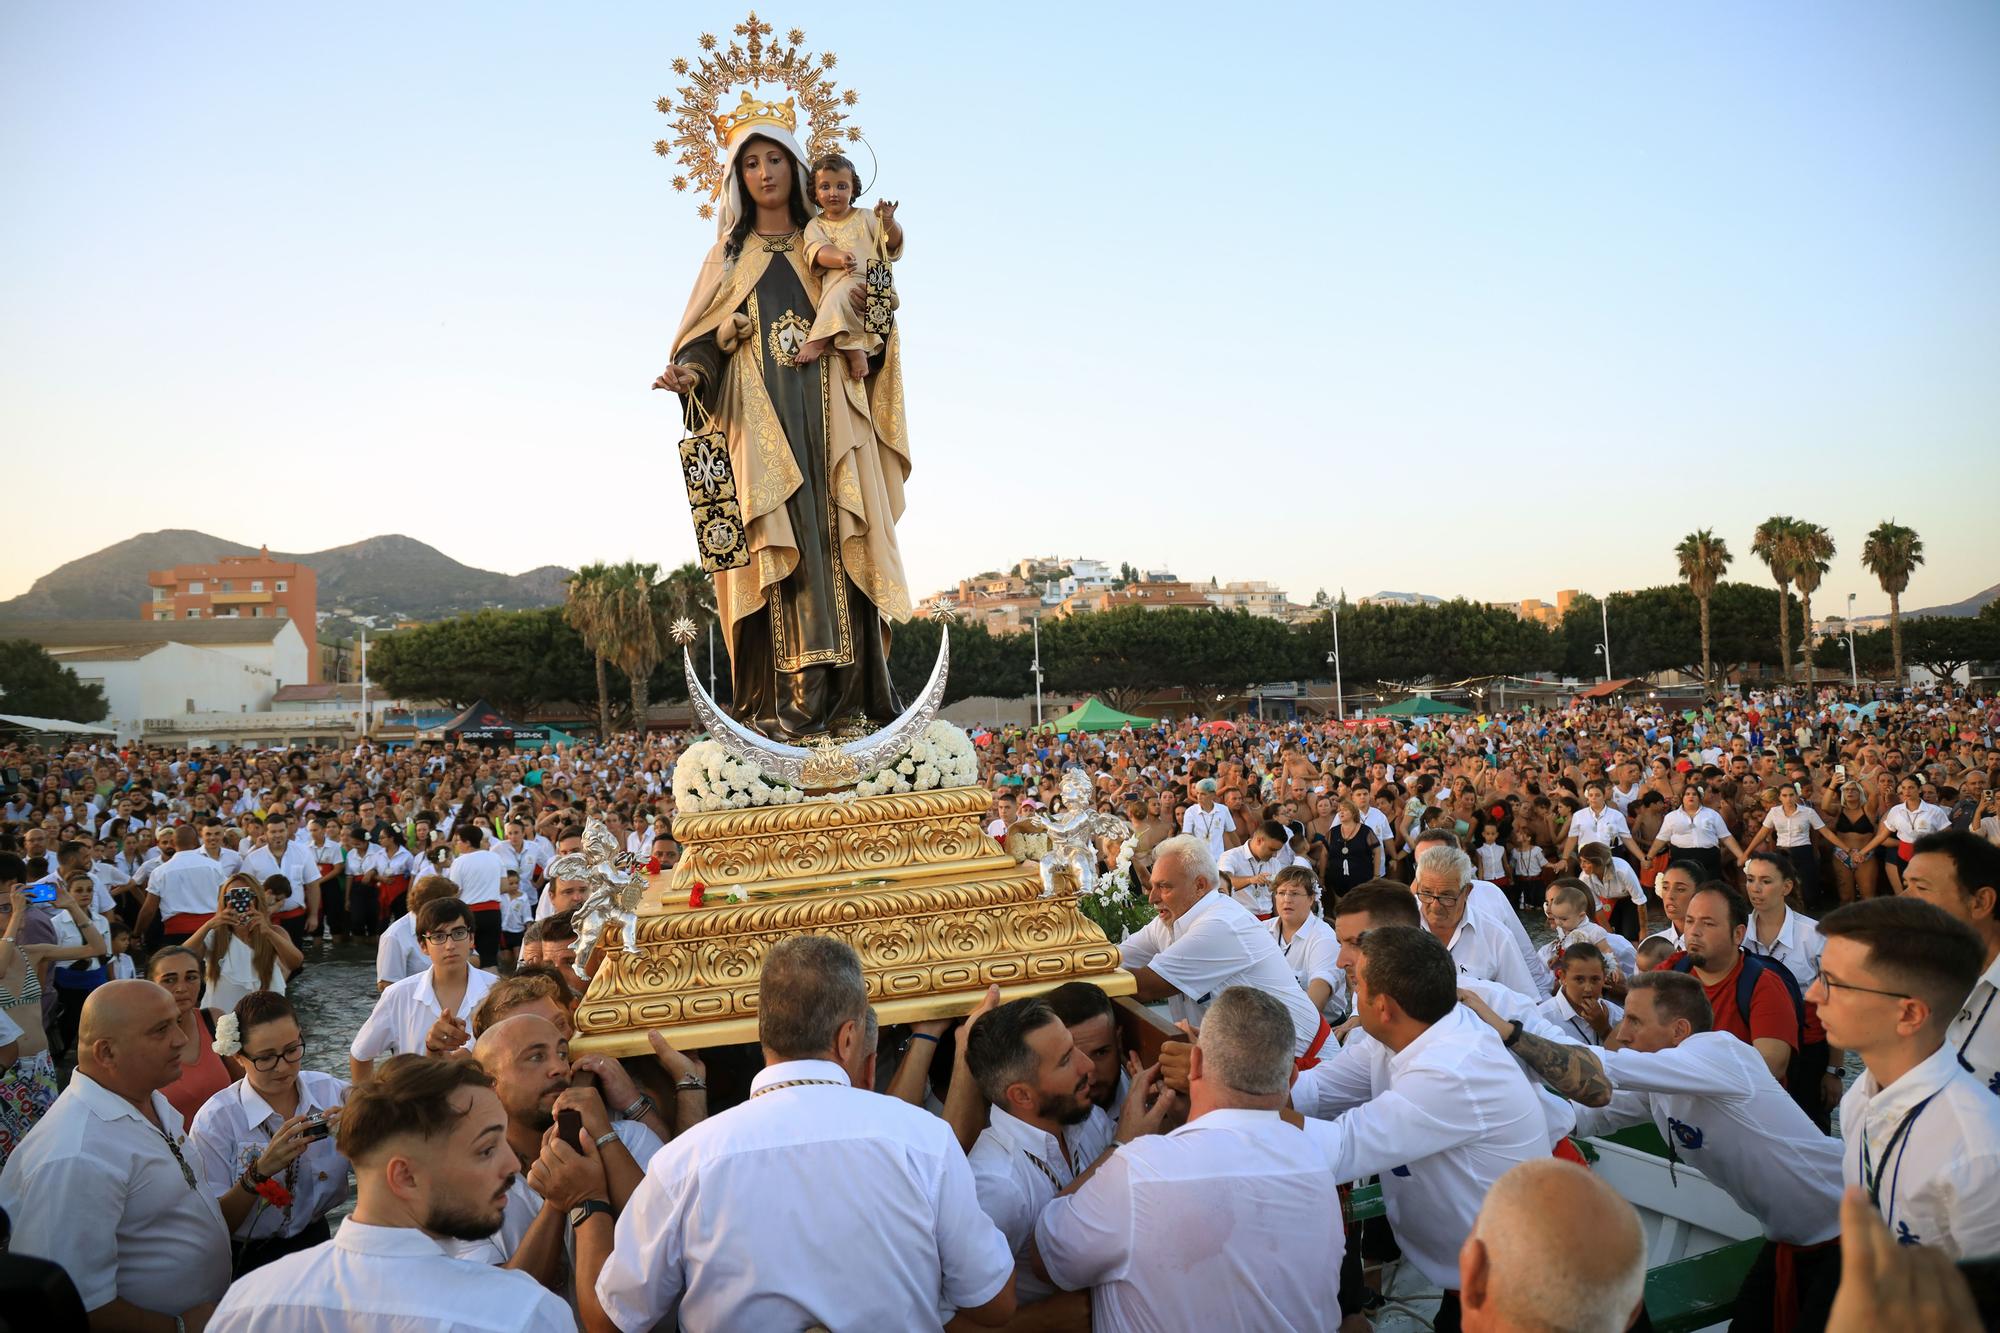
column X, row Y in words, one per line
column 1553, row 1247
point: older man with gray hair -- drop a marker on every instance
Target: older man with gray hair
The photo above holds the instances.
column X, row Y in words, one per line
column 1553, row 1247
column 1479, row 946
column 1203, row 941
column 816, row 1203
column 1256, row 1191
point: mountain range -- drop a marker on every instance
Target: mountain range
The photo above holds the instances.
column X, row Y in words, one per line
column 394, row 576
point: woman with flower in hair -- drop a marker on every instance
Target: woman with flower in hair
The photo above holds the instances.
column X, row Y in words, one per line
column 266, row 1144
column 245, row 950
column 177, row 969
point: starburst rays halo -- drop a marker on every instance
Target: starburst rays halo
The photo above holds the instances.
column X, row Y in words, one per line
column 942, row 609
column 682, row 631
column 704, row 129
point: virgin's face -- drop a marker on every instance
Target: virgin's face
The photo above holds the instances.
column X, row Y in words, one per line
column 767, row 174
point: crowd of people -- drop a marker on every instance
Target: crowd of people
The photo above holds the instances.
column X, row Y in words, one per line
column 1769, row 928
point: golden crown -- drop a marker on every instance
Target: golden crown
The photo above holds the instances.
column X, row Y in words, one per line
column 703, row 132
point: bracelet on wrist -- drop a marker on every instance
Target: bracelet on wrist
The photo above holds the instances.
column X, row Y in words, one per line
column 692, row 1083
column 930, row 1037
column 608, row 1136
column 641, row 1107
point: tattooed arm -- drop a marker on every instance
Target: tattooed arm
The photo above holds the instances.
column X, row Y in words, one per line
column 1572, row 1071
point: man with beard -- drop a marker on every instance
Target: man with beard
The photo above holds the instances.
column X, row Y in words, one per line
column 527, row 1057
column 1043, row 1129
column 428, row 1139
column 1087, row 1012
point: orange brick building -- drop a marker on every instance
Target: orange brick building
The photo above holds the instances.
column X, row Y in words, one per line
column 254, row 587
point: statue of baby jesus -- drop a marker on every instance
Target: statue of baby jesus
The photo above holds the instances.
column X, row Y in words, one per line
column 615, row 891
column 842, row 240
column 1071, row 863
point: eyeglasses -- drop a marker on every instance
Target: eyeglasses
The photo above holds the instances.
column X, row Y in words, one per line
column 291, row 1055
column 1440, row 899
column 456, row 935
column 1823, row 979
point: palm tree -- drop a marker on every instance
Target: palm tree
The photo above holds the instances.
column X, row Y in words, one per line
column 1891, row 553
column 584, row 610
column 1773, row 545
column 1704, row 558
column 1812, row 552
column 637, row 615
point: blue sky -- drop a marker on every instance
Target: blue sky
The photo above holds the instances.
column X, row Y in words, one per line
column 1462, row 298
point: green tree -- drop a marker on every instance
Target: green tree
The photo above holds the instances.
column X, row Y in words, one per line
column 1773, row 545
column 1943, row 644
column 1659, row 629
column 1704, row 558
column 34, row 684
column 584, row 607
column 1812, row 556
column 637, row 612
column 982, row 663
column 1892, row 553
column 517, row 660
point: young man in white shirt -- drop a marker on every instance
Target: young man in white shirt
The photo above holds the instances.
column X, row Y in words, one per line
column 703, row 1238
column 1960, row 873
column 1093, row 1024
column 429, row 1145
column 1249, row 869
column 1922, row 1134
column 1479, row 947
column 1713, row 1099
column 277, row 854
column 105, row 1184
column 1203, row 941
column 1235, row 1175
column 182, row 892
column 1440, row 1110
column 1042, row 1129
column 429, row 1013
column 398, row 951
column 476, row 871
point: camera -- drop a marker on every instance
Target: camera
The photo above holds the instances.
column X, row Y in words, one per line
column 315, row 1127
column 240, row 899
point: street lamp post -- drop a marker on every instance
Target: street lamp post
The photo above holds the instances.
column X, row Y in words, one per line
column 1604, row 622
column 1339, row 697
column 1036, row 667
column 1853, row 671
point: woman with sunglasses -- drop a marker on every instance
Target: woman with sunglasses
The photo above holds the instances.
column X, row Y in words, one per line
column 266, row 1144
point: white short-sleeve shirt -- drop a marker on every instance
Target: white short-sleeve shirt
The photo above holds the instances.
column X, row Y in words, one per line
column 235, row 1126
column 1257, row 1193
column 96, row 1187
column 1706, row 829
column 187, row 884
column 1212, row 946
column 1237, row 863
column 477, row 875
column 371, row 1279
column 1938, row 1179
column 1795, row 829
column 1975, row 1029
column 1018, row 1167
column 1313, row 954
column 714, row 1232
column 1609, row 828
column 1210, row 826
column 397, row 953
column 403, row 1014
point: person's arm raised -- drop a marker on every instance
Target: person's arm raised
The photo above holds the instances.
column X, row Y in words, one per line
column 1572, row 1071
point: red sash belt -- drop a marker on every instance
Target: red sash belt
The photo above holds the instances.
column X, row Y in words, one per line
column 484, row 907
column 184, row 923
column 391, row 889
column 1785, row 1282
column 1311, row 1057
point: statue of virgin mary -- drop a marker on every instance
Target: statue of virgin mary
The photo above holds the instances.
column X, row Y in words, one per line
column 819, row 459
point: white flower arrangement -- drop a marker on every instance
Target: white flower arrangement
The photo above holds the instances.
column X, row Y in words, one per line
column 228, row 1035
column 707, row 779
column 1110, row 902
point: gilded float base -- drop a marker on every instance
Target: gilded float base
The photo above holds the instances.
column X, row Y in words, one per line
column 936, row 911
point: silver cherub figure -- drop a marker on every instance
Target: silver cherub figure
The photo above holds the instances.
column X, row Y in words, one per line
column 615, row 884
column 1071, row 863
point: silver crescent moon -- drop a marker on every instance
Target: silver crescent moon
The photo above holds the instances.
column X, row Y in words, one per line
column 786, row 762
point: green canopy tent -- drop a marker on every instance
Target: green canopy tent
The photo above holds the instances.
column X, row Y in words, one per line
column 1422, row 706
column 1093, row 714
column 535, row 735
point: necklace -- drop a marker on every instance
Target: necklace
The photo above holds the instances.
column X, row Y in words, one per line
column 1873, row 1180
column 797, row 1083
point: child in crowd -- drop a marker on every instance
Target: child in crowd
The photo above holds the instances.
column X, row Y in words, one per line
column 516, row 910
column 1566, row 904
column 1652, row 952
column 1579, row 1004
column 1489, row 858
column 841, row 240
column 122, row 967
column 1528, row 867
column 428, row 1013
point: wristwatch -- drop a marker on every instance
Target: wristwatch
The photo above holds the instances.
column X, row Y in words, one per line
column 1513, row 1035
column 583, row 1211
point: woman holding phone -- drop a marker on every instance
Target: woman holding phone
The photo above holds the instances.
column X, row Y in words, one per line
column 245, row 950
column 266, row 1144
column 28, row 1083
